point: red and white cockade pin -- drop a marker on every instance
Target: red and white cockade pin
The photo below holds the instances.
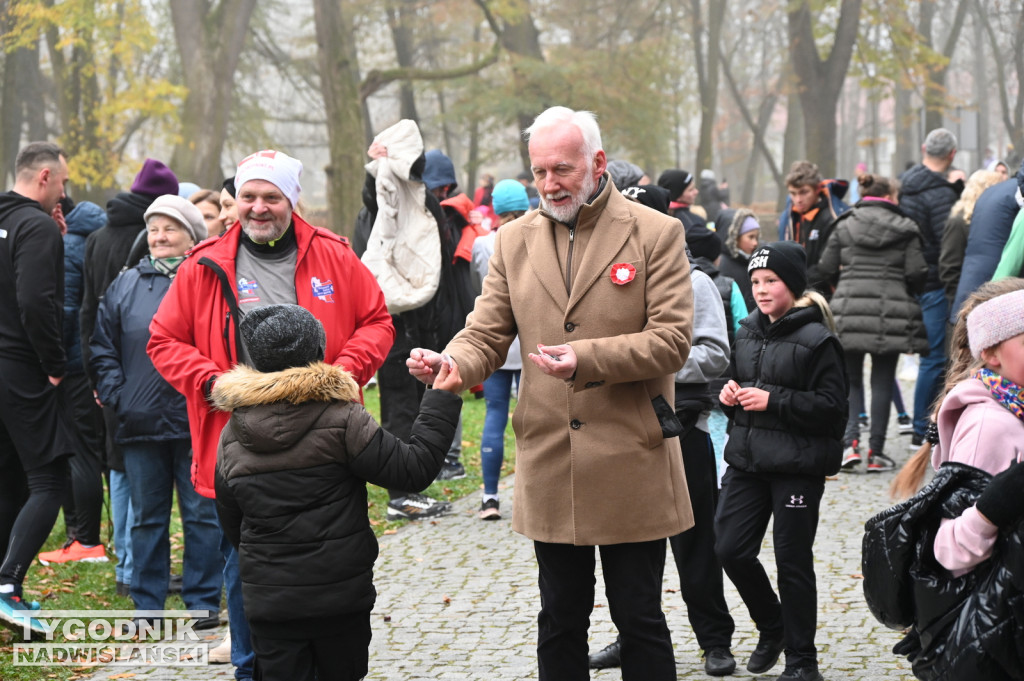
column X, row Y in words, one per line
column 623, row 273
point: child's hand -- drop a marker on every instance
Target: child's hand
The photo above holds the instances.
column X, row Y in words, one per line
column 752, row 399
column 728, row 394
column 448, row 378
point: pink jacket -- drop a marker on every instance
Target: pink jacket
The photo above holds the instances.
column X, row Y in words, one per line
column 975, row 430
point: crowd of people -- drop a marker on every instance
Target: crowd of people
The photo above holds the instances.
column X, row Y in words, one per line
column 682, row 378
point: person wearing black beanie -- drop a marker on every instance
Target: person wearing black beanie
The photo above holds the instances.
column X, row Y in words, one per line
column 682, row 193
column 787, row 259
column 787, row 407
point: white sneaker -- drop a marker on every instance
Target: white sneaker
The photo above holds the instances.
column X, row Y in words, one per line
column 222, row 653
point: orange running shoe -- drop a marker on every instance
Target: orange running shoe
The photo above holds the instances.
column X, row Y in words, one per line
column 74, row 551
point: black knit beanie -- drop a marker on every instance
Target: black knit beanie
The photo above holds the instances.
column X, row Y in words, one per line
column 675, row 181
column 278, row 337
column 650, row 195
column 788, row 259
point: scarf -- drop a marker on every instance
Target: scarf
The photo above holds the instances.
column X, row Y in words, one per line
column 167, row 266
column 1006, row 393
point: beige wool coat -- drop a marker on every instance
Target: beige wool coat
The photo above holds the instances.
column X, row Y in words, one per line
column 592, row 467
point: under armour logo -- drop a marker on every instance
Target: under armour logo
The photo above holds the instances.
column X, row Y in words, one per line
column 796, row 500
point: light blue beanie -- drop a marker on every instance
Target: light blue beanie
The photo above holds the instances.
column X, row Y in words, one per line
column 509, row 196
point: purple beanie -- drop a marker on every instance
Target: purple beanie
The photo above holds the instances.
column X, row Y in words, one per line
column 155, row 179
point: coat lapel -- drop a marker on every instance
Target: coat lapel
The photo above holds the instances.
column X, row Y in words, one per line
column 610, row 234
column 543, row 258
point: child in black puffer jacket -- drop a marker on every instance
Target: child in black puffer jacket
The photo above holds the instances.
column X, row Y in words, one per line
column 787, row 409
column 292, row 468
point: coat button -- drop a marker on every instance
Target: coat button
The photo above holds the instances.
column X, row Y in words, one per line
column 569, row 326
column 575, row 424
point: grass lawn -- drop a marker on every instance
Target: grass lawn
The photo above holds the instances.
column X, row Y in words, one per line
column 90, row 586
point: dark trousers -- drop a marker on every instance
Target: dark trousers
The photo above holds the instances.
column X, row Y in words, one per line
column 632, row 580
column 883, row 375
column 340, row 655
column 700, row 573
column 83, row 503
column 748, row 501
column 29, row 504
column 400, row 393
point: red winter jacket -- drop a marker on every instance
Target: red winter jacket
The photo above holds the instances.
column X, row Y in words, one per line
column 193, row 337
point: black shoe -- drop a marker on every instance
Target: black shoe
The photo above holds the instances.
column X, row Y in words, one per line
column 916, row 441
column 801, row 674
column 208, row 622
column 451, row 469
column 719, row 662
column 123, row 589
column 765, row 654
column 416, row 506
column 490, row 510
column 610, row 656
column 174, row 586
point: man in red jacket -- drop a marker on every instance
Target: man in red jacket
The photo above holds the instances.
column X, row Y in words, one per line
column 273, row 256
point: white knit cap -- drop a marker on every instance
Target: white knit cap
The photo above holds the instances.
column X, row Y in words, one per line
column 994, row 321
column 275, row 167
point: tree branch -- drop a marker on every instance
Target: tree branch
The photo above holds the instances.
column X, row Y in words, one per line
column 375, row 79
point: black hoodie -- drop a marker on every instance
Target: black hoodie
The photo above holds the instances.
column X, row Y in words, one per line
column 31, row 285
column 106, row 251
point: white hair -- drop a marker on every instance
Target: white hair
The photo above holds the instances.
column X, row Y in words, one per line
column 585, row 122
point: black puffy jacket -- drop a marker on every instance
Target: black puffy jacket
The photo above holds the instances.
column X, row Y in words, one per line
column 926, row 197
column 966, row 627
column 148, row 409
column 800, row 363
column 292, row 468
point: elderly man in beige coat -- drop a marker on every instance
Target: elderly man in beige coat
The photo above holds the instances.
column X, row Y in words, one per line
column 600, row 286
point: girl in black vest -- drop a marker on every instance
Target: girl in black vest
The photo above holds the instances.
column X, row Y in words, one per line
column 787, row 409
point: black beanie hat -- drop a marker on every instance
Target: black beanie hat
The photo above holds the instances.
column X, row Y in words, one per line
column 675, row 181
column 279, row 337
column 650, row 195
column 703, row 242
column 788, row 259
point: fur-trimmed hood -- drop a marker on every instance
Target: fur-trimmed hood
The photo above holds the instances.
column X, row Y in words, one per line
column 731, row 236
column 319, row 382
column 273, row 411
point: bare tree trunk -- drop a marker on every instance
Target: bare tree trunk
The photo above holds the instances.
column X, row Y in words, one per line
column 210, row 37
column 401, row 34
column 339, row 82
column 981, row 81
column 820, row 81
column 935, row 95
column 707, row 61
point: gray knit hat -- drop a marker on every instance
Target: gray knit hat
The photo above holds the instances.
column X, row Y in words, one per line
column 181, row 211
column 278, row 337
column 994, row 321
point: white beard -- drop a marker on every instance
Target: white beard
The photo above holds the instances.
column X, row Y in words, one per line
column 570, row 211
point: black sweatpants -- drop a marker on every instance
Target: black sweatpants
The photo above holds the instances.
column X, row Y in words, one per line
column 747, row 502
column 341, row 654
column 35, row 442
column 632, row 583
column 83, row 502
column 883, row 375
column 400, row 393
column 700, row 573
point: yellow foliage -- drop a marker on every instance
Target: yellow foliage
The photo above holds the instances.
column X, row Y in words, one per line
column 96, row 46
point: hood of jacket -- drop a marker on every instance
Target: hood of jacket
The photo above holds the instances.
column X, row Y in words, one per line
column 13, row 201
column 128, row 209
column 738, row 217
column 919, row 179
column 85, row 218
column 271, row 410
column 876, row 225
